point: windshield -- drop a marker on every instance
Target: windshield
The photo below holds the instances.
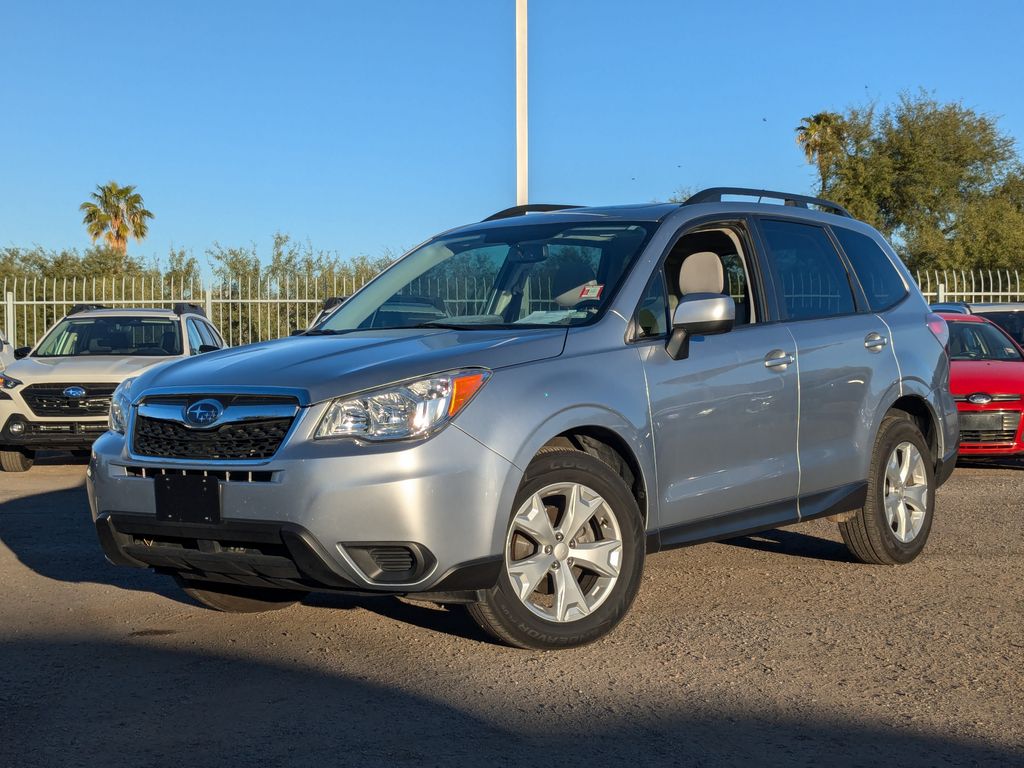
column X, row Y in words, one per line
column 121, row 336
column 540, row 275
column 979, row 341
column 1010, row 321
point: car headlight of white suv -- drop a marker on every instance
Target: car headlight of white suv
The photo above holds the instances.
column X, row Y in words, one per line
column 414, row 409
column 120, row 402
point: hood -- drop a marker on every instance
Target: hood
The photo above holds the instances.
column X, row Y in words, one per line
column 324, row 367
column 101, row 369
column 994, row 377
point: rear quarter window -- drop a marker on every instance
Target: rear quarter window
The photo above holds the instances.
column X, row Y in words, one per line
column 883, row 286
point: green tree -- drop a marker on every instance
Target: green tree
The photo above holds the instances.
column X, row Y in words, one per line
column 940, row 180
column 114, row 214
column 822, row 137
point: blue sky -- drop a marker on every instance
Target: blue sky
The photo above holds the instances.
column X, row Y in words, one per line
column 367, row 125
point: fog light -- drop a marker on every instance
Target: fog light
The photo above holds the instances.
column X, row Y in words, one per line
column 17, row 428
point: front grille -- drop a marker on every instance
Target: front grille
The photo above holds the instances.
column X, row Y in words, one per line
column 245, row 440
column 989, row 426
column 50, row 400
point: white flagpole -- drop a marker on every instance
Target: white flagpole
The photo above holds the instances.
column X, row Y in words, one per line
column 522, row 162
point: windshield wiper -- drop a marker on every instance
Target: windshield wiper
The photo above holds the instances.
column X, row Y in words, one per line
column 458, row 326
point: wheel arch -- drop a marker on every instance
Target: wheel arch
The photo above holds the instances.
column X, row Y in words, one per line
column 610, row 437
column 924, row 415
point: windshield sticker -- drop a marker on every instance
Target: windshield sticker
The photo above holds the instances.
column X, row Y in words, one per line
column 591, row 291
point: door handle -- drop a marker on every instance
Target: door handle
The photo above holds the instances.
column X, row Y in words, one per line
column 875, row 341
column 778, row 358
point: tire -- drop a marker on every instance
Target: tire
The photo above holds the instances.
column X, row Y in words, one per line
column 550, row 619
column 895, row 534
column 235, row 598
column 17, row 459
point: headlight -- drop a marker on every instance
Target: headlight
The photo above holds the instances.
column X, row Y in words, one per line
column 9, row 382
column 120, row 402
column 407, row 410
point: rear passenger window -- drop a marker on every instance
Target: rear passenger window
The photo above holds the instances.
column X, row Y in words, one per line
column 880, row 280
column 808, row 271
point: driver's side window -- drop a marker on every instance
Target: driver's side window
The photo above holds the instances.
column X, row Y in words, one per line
column 726, row 243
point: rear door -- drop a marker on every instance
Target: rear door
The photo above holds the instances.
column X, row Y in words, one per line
column 844, row 358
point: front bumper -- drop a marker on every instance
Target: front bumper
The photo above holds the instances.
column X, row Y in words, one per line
column 973, row 443
column 21, row 431
column 315, row 515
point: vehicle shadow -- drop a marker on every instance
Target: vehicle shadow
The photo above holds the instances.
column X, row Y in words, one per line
column 53, row 535
column 137, row 702
column 794, row 543
column 992, row 462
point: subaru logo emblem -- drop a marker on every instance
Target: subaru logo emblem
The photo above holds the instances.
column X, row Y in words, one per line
column 203, row 413
column 74, row 393
column 979, row 398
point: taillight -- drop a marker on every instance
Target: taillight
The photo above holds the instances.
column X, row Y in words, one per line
column 939, row 328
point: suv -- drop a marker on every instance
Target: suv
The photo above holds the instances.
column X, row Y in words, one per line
column 605, row 383
column 57, row 395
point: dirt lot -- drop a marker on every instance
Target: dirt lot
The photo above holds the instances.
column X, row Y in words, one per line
column 768, row 650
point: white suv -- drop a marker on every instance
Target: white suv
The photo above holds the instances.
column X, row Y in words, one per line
column 57, row 395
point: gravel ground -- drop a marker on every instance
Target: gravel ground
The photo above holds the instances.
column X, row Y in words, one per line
column 768, row 650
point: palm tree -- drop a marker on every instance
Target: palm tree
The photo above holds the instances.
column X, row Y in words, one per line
column 115, row 213
column 821, row 137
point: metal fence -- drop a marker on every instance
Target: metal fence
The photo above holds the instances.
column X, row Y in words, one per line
column 248, row 310
column 245, row 310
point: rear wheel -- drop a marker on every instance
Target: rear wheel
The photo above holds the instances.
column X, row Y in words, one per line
column 893, row 526
column 17, row 459
column 234, row 598
column 573, row 558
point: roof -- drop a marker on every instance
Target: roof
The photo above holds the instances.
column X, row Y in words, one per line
column 127, row 311
column 653, row 212
column 995, row 306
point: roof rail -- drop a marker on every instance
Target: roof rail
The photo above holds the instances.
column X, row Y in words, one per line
column 518, row 210
column 187, row 308
column 714, row 195
column 76, row 308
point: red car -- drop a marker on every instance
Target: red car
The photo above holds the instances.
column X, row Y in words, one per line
column 986, row 378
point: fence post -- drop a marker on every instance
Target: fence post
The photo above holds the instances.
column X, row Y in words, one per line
column 941, row 293
column 209, row 303
column 10, row 317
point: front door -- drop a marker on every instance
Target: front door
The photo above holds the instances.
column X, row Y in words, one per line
column 725, row 417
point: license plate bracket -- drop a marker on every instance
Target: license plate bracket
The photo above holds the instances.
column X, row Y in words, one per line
column 981, row 420
column 187, row 498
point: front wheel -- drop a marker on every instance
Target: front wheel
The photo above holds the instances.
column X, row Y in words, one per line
column 894, row 523
column 573, row 557
column 235, row 598
column 17, row 459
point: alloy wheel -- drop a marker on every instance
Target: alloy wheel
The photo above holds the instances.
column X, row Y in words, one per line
column 906, row 492
column 563, row 554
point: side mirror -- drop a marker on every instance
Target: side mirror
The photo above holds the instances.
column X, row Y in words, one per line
column 204, row 348
column 699, row 314
column 21, row 352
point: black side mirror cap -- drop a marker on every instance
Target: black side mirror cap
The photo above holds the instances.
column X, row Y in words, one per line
column 204, row 348
column 21, row 352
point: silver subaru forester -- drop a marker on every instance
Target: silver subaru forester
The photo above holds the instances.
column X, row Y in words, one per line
column 519, row 411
